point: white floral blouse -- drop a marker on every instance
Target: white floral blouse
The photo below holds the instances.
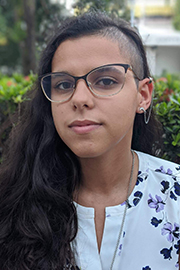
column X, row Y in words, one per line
column 151, row 232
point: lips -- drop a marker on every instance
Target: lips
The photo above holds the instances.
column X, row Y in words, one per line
column 83, row 127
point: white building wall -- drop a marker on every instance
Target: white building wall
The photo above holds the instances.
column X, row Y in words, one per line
column 154, row 2
column 163, row 58
column 151, row 57
column 167, row 59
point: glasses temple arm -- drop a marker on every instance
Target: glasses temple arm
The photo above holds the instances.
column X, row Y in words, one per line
column 136, row 77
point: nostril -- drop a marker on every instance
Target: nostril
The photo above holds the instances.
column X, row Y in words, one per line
column 84, row 105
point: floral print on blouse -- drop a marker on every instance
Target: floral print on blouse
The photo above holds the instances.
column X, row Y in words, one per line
column 151, row 232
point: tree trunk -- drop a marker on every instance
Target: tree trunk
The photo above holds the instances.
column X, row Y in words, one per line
column 29, row 49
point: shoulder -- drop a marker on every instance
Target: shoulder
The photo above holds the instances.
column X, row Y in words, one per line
column 158, row 165
column 159, row 179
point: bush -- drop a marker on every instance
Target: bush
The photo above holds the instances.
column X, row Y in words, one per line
column 167, row 107
column 13, row 92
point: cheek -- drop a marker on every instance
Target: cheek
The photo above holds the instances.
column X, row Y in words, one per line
column 124, row 109
column 122, row 116
column 58, row 118
column 124, row 120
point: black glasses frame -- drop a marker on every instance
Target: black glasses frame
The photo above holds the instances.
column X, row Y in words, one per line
column 84, row 77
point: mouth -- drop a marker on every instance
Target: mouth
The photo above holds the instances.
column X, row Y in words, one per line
column 85, row 126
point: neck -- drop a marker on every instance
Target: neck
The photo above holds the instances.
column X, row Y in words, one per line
column 106, row 179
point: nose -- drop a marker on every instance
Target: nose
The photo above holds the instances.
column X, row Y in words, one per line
column 82, row 96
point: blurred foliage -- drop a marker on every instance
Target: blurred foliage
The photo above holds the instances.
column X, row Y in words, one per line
column 48, row 15
column 10, row 34
column 13, row 89
column 176, row 19
column 116, row 8
column 167, row 107
column 14, row 92
column 13, row 30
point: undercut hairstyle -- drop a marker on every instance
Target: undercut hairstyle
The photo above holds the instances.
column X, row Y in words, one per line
column 127, row 47
column 39, row 175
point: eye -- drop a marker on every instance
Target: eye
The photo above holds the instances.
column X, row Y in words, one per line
column 105, row 82
column 64, row 85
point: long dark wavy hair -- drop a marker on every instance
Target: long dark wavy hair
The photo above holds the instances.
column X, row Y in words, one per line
column 38, row 219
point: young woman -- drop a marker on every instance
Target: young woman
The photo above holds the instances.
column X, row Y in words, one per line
column 80, row 188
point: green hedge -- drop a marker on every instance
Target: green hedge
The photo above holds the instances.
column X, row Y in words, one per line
column 13, row 93
column 167, row 107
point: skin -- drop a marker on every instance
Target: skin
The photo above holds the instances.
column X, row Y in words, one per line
column 103, row 148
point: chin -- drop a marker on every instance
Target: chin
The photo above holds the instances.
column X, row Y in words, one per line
column 86, row 153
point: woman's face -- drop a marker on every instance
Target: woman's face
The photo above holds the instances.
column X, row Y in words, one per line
column 93, row 126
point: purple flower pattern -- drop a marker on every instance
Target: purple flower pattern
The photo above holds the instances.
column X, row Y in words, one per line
column 162, row 170
column 168, row 229
column 156, row 203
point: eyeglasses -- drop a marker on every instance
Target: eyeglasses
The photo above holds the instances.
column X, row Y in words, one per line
column 103, row 81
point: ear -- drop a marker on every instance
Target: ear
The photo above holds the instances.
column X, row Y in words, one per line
column 145, row 91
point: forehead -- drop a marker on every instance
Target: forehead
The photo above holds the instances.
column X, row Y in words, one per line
column 80, row 55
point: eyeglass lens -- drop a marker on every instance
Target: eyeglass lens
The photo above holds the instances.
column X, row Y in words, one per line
column 103, row 81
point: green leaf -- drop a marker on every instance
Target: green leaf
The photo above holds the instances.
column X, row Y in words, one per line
column 174, row 100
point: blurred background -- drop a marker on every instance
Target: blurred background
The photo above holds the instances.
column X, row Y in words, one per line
column 25, row 26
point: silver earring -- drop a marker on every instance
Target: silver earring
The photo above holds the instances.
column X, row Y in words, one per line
column 150, row 80
column 146, row 119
